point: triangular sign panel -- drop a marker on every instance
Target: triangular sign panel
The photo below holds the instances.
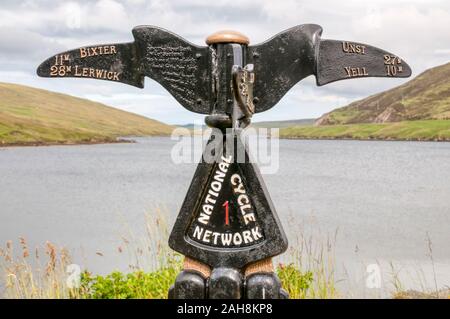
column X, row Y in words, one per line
column 227, row 218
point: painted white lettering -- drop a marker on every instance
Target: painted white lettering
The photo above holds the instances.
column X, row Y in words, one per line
column 235, row 179
column 249, row 218
column 206, row 236
column 203, row 219
column 208, row 209
column 237, row 239
column 215, row 237
column 255, row 233
column 216, row 186
column 247, row 236
column 198, row 232
column 243, row 200
column 226, row 239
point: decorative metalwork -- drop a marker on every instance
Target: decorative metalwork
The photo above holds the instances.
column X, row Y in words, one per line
column 227, row 227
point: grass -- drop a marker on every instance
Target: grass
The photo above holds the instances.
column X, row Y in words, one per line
column 282, row 124
column 37, row 274
column 427, row 130
column 45, row 272
column 30, row 116
column 42, row 273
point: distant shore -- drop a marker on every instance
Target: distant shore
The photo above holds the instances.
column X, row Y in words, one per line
column 419, row 131
column 36, row 117
column 66, row 143
column 360, row 139
column 414, row 131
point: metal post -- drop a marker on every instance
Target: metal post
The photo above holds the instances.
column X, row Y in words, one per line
column 233, row 82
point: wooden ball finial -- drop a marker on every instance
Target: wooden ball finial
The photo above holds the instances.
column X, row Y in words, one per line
column 227, row 36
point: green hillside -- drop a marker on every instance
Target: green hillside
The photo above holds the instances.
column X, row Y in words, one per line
column 426, row 97
column 30, row 116
column 428, row 130
column 282, row 124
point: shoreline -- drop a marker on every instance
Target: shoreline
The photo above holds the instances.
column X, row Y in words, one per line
column 66, row 143
column 119, row 140
column 304, row 138
column 361, row 139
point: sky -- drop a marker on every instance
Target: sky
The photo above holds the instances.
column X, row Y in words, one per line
column 31, row 31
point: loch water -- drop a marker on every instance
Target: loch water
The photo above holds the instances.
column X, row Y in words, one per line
column 368, row 203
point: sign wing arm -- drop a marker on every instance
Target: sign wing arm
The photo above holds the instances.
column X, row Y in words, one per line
column 181, row 67
column 342, row 60
column 111, row 62
column 281, row 62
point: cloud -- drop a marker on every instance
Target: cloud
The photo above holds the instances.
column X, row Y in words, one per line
column 30, row 31
column 442, row 52
column 61, row 18
column 22, row 45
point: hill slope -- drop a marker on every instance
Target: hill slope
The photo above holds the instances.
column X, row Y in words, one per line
column 35, row 116
column 282, row 124
column 427, row 130
column 425, row 97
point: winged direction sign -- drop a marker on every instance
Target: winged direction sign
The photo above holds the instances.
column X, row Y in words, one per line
column 227, row 228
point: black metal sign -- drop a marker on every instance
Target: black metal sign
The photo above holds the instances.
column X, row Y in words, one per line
column 191, row 73
column 227, row 222
column 179, row 66
column 230, row 221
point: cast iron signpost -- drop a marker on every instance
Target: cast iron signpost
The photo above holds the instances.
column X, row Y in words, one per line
column 227, row 228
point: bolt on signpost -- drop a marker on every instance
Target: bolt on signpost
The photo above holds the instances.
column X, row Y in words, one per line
column 227, row 227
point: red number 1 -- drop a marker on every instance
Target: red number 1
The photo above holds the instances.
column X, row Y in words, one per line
column 227, row 216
